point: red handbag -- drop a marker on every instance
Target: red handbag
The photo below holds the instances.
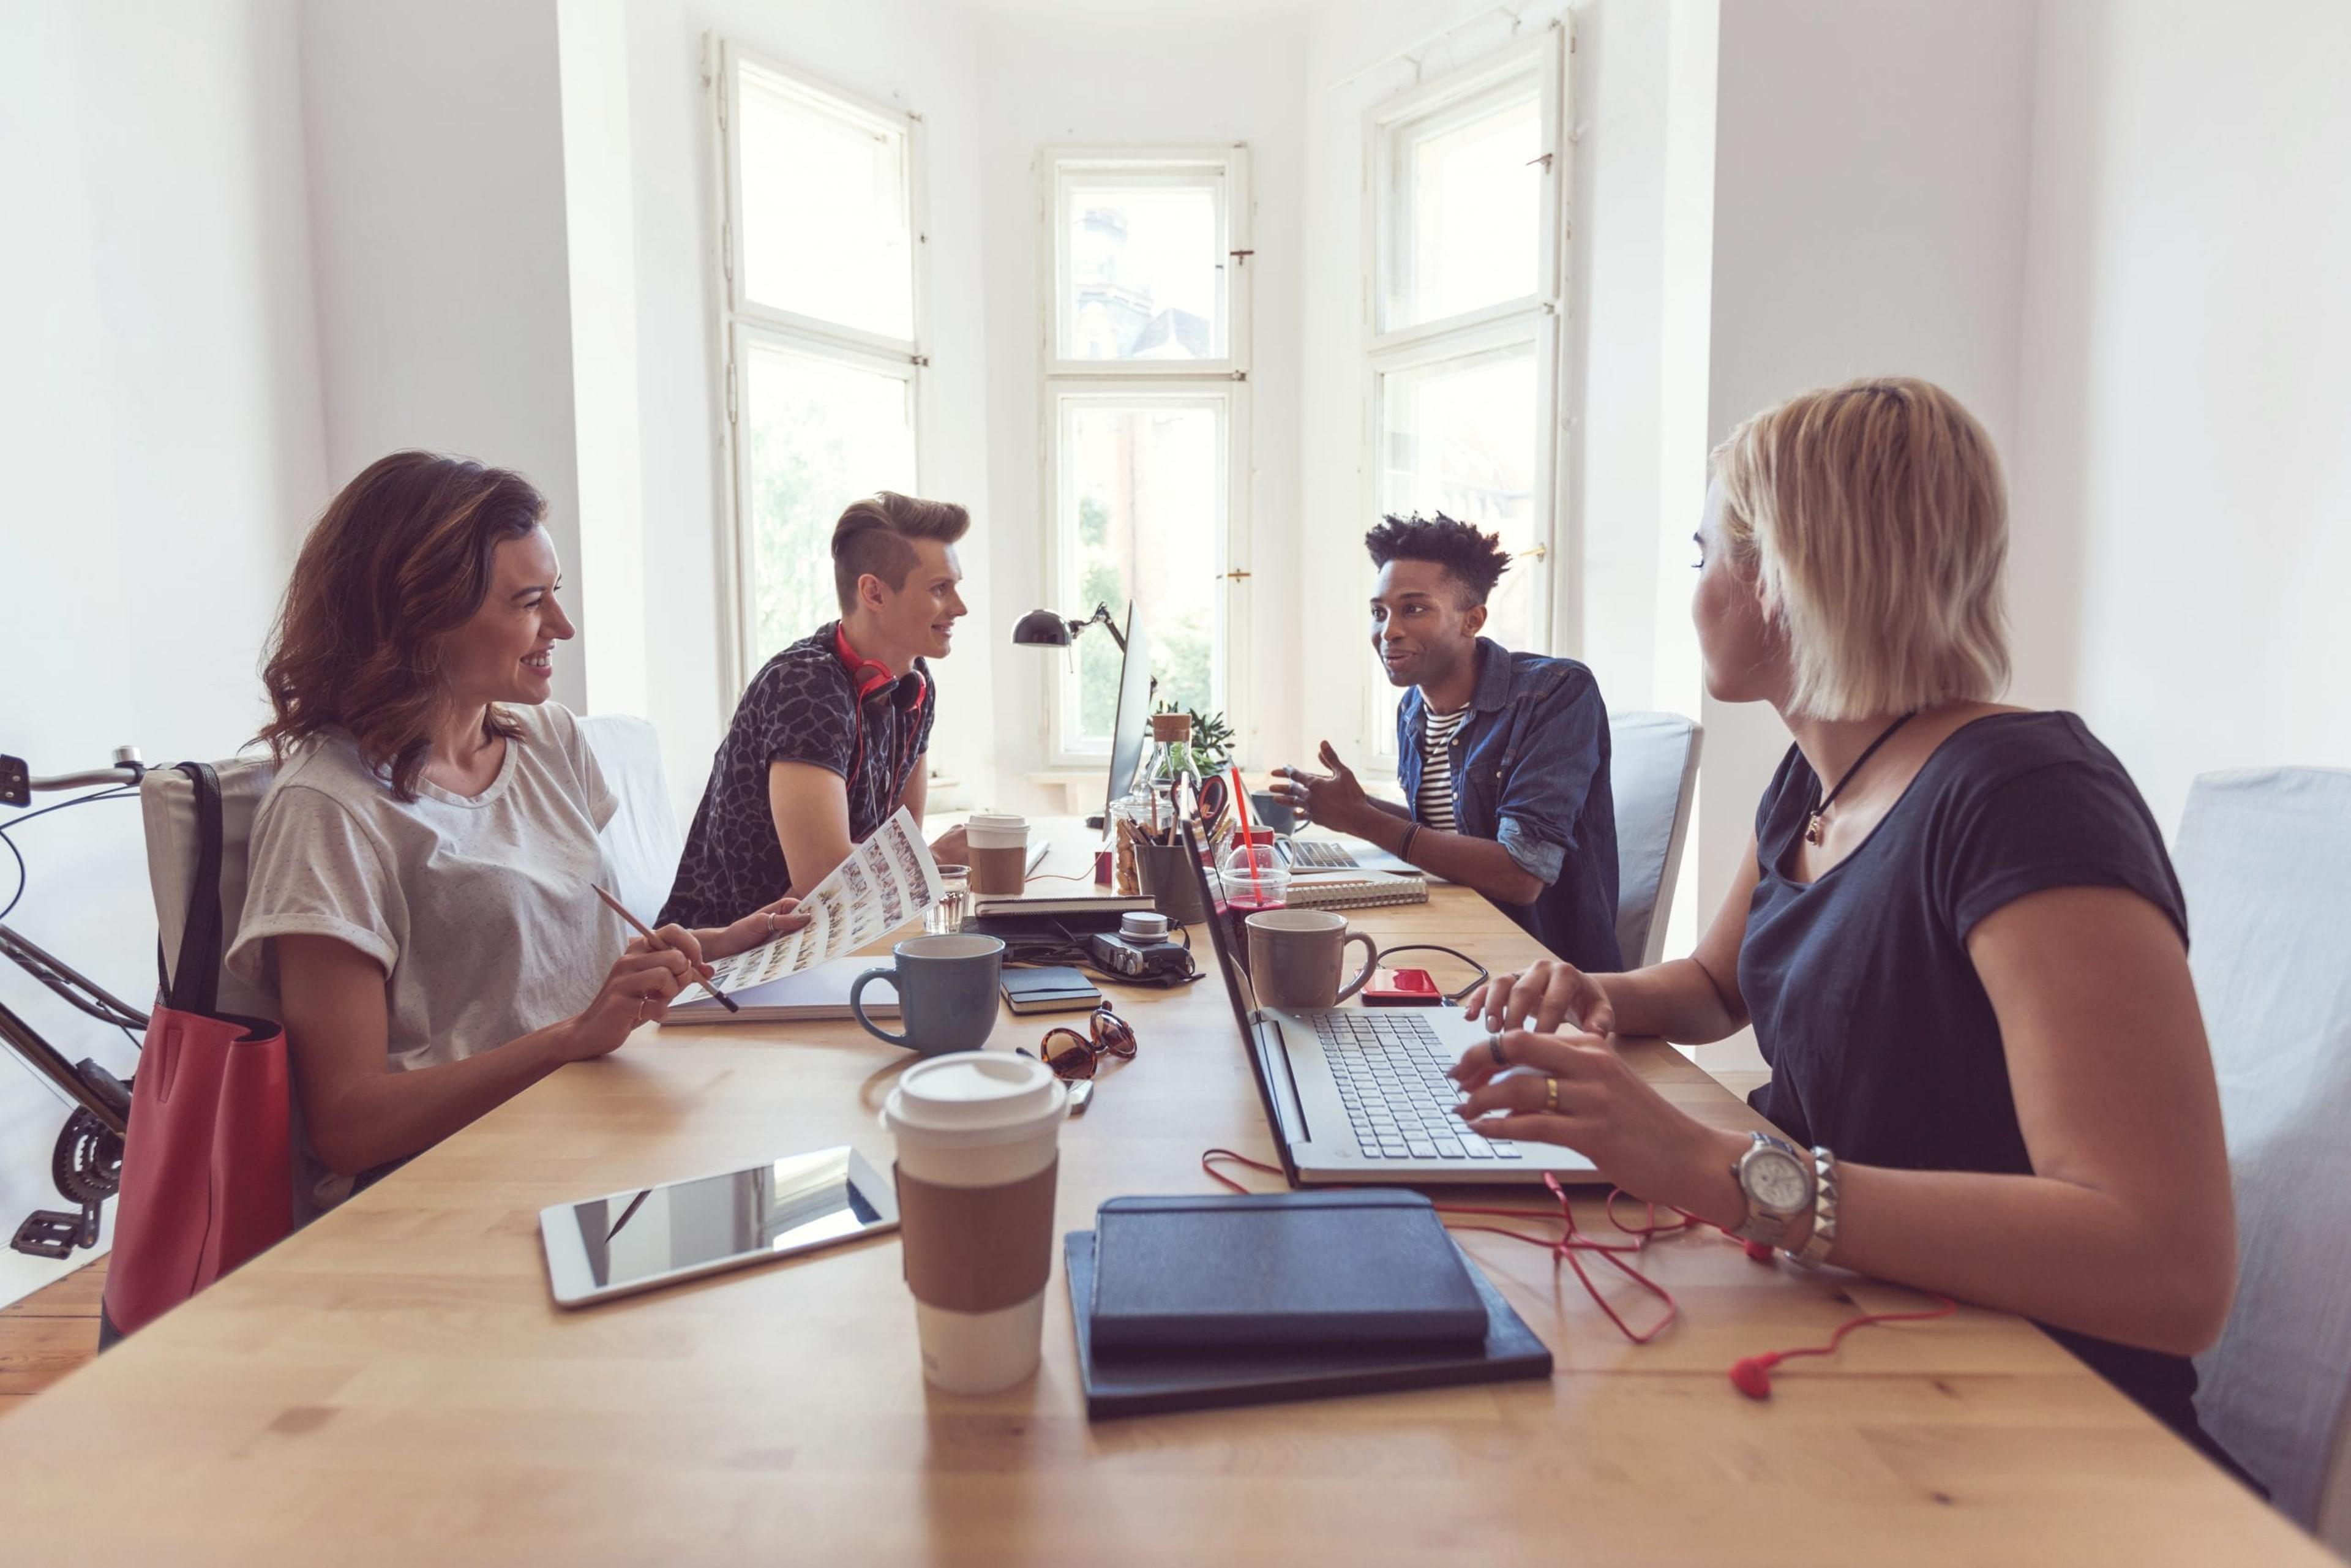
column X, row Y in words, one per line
column 208, row 1161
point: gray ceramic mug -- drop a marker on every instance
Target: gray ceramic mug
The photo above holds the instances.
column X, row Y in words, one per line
column 947, row 992
column 1295, row 957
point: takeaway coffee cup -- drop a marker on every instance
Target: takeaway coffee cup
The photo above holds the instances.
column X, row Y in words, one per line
column 978, row 1140
column 999, row 852
column 1294, row 957
column 947, row 992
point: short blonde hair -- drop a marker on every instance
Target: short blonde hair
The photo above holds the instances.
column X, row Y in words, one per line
column 1875, row 520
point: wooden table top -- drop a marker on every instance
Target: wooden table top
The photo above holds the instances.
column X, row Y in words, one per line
column 394, row 1385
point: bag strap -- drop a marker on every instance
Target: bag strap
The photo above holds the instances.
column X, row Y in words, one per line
column 195, row 977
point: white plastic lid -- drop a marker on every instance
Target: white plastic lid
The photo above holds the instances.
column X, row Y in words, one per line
column 997, row 830
column 975, row 1097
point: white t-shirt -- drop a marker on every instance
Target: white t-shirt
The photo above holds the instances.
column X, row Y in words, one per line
column 480, row 910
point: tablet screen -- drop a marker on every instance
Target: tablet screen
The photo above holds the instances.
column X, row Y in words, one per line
column 655, row 1233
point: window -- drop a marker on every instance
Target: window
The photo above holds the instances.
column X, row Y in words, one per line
column 1466, row 289
column 822, row 340
column 1144, row 336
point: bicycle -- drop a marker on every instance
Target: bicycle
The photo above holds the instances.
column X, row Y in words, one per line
column 86, row 1164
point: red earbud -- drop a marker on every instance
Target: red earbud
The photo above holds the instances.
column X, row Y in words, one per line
column 1752, row 1375
column 1759, row 1253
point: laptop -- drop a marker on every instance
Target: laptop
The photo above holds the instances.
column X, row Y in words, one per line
column 1358, row 1095
column 1342, row 853
column 1131, row 720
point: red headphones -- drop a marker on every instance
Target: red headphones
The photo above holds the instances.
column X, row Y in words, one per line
column 867, row 676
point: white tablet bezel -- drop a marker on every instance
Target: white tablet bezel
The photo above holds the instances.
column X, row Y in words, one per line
column 573, row 1284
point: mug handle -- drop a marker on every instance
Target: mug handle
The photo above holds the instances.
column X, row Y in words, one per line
column 1371, row 958
column 857, row 1007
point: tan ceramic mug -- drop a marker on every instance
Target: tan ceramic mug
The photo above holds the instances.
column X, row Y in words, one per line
column 1294, row 956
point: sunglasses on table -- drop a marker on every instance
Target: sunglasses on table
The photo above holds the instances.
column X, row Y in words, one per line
column 1074, row 1056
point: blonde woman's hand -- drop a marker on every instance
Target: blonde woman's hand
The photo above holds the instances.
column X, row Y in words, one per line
column 1603, row 1110
column 1545, row 995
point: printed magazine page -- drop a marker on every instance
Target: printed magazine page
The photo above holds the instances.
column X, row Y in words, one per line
column 886, row 882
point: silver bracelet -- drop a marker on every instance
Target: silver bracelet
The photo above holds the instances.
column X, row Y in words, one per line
column 1816, row 1250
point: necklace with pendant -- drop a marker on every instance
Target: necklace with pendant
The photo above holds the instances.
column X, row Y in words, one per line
column 1815, row 822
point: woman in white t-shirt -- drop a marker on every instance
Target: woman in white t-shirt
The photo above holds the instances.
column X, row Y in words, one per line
column 419, row 893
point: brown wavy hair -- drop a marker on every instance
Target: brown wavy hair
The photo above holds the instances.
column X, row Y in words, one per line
column 397, row 561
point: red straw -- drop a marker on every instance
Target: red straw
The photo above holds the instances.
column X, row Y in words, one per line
column 1249, row 843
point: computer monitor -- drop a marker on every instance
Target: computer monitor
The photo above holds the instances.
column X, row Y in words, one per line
column 1132, row 723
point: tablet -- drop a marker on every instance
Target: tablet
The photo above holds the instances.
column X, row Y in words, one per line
column 630, row 1241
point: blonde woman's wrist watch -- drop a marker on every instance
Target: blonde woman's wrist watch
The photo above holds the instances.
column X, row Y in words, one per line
column 1817, row 1247
column 1777, row 1183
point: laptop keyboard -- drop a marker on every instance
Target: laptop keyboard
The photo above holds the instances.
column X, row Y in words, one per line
column 1390, row 1070
column 1318, row 854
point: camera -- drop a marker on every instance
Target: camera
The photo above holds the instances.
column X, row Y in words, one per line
column 1140, row 949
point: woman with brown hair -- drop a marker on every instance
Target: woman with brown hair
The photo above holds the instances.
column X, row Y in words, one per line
column 1955, row 932
column 420, row 886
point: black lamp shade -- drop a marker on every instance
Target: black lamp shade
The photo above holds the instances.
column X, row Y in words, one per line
column 1041, row 629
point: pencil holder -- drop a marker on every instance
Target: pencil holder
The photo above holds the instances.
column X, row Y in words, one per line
column 1173, row 885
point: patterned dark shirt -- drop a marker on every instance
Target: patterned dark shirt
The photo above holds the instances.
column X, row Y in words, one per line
column 800, row 707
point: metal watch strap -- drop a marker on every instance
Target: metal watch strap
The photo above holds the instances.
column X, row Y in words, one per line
column 1764, row 1229
column 1817, row 1248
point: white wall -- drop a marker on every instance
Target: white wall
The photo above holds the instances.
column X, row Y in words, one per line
column 1871, row 191
column 159, row 432
column 915, row 54
column 434, row 131
column 2186, row 470
column 1064, row 78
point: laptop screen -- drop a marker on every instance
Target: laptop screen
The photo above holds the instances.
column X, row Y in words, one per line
column 1211, row 900
column 1131, row 718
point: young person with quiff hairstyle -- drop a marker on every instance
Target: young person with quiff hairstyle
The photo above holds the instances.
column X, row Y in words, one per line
column 832, row 734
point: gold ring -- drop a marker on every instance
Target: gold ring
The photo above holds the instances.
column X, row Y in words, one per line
column 1551, row 1095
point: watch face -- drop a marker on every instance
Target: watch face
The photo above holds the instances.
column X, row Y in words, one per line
column 1776, row 1182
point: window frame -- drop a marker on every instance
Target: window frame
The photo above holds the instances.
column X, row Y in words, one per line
column 743, row 321
column 1539, row 318
column 1143, row 380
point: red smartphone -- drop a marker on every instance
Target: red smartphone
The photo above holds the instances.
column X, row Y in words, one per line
column 1402, row 988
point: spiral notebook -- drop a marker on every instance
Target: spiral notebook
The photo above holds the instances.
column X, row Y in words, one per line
column 1355, row 888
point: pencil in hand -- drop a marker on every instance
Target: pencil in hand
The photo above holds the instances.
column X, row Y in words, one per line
column 618, row 908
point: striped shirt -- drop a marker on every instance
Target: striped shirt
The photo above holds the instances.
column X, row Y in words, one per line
column 1436, row 799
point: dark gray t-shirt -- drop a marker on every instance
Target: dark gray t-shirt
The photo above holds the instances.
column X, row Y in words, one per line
column 1882, row 1039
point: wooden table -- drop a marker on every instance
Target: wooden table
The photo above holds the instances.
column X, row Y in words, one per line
column 393, row 1386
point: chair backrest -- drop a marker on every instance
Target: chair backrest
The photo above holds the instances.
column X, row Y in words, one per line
column 2265, row 860
column 167, row 804
column 1653, row 772
column 641, row 842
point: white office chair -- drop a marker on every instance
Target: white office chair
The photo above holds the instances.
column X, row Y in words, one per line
column 2265, row 858
column 641, row 842
column 167, row 806
column 1653, row 773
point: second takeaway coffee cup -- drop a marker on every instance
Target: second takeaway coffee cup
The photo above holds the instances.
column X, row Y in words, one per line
column 978, row 1150
column 1295, row 954
column 999, row 852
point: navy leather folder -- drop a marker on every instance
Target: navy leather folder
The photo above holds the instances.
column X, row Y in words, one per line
column 1152, row 1382
column 1279, row 1269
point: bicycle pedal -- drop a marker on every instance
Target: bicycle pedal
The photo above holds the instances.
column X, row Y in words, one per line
column 49, row 1233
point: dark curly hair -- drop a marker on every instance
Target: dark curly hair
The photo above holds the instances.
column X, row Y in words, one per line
column 399, row 559
column 1476, row 561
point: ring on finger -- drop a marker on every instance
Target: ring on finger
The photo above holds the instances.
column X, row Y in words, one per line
column 1551, row 1095
column 640, row 1009
column 772, row 920
column 1494, row 1048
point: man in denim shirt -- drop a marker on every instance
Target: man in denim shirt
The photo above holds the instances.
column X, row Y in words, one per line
column 1502, row 756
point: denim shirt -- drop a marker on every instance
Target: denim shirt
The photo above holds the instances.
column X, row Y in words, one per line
column 1530, row 770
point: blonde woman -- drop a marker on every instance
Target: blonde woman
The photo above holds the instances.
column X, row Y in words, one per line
column 1957, row 933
